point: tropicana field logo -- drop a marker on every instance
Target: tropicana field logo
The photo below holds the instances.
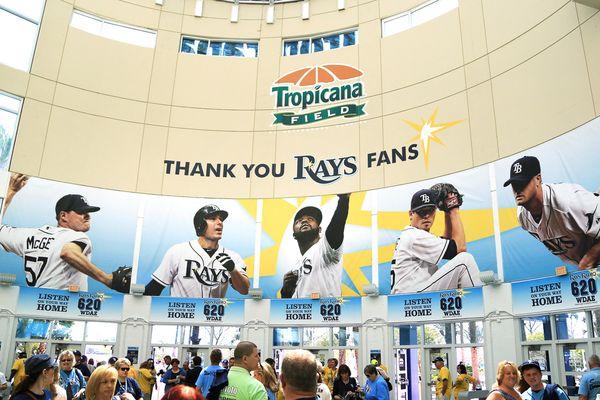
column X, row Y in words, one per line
column 321, row 85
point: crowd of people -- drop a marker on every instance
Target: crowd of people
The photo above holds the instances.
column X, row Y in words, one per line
column 245, row 377
column 242, row 377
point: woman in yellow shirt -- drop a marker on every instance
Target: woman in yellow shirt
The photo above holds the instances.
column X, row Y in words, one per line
column 462, row 380
column 146, row 378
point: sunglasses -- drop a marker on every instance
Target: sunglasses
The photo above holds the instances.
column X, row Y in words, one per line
column 67, row 360
column 124, row 369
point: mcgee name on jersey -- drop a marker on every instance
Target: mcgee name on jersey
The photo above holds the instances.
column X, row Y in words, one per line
column 42, row 243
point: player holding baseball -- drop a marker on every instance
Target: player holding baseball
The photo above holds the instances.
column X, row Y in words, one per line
column 57, row 257
column 201, row 268
column 319, row 269
column 563, row 216
column 418, row 252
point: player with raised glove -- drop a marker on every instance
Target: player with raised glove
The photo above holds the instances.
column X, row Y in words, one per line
column 121, row 279
column 447, row 196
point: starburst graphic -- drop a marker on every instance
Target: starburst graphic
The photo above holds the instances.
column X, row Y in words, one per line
column 428, row 131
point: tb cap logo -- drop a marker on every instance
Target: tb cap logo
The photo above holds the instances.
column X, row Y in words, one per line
column 424, row 198
column 517, row 168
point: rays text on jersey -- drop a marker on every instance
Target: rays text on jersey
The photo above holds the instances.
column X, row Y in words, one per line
column 205, row 275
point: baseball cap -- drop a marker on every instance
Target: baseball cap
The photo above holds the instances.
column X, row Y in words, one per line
column 523, row 170
column 311, row 212
column 438, row 359
column 528, row 364
column 74, row 202
column 423, row 198
column 38, row 363
column 77, row 353
column 112, row 360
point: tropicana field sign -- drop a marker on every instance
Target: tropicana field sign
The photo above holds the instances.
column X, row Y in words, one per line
column 322, row 85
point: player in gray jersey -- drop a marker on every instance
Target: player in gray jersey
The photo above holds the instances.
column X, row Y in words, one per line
column 319, row 269
column 201, row 268
column 418, row 252
column 57, row 257
column 565, row 217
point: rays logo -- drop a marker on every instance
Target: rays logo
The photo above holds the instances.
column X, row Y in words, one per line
column 517, row 168
column 324, row 171
column 318, row 86
column 205, row 275
column 424, row 198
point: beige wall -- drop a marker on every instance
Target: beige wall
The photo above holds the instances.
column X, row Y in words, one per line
column 98, row 112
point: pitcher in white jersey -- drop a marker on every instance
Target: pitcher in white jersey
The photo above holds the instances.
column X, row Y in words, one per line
column 319, row 269
column 418, row 252
column 565, row 217
column 201, row 268
column 56, row 257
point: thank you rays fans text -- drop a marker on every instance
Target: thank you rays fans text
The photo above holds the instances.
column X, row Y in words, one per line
column 334, row 88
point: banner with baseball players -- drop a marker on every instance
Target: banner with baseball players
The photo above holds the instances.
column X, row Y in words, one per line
column 436, row 306
column 60, row 304
column 316, row 246
column 329, row 311
column 436, row 234
column 197, row 248
column 549, row 206
column 61, row 236
column 578, row 290
column 177, row 310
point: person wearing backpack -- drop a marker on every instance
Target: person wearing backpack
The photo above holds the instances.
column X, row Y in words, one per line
column 207, row 376
column 538, row 390
column 589, row 387
column 70, row 378
column 241, row 385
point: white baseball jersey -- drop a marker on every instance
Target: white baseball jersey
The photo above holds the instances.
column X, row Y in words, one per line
column 416, row 256
column 319, row 270
column 191, row 272
column 40, row 249
column 570, row 222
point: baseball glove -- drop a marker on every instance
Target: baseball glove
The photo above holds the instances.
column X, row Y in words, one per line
column 444, row 199
column 121, row 279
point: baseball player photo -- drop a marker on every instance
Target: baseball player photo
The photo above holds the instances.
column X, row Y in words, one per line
column 57, row 257
column 565, row 217
column 201, row 268
column 319, row 268
column 418, row 253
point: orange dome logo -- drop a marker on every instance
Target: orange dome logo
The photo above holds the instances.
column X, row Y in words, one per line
column 329, row 73
column 318, row 86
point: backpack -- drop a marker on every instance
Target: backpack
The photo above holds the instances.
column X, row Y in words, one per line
column 218, row 384
column 550, row 392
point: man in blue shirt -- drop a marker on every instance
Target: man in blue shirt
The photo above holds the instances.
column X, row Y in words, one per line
column 538, row 390
column 375, row 388
column 589, row 387
column 206, row 377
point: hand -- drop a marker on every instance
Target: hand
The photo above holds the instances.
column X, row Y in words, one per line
column 290, row 280
column 226, row 261
column 17, row 182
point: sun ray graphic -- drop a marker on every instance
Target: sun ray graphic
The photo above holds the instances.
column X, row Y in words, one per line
column 428, row 131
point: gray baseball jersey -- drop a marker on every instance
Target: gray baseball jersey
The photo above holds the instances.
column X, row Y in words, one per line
column 570, row 222
column 40, row 249
column 191, row 272
column 319, row 270
column 415, row 260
